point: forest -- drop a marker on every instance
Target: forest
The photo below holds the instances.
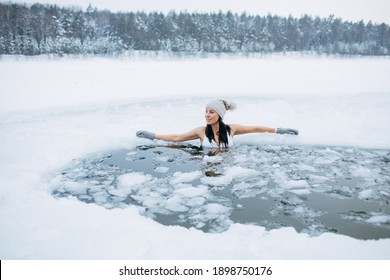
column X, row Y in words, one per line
column 49, row 29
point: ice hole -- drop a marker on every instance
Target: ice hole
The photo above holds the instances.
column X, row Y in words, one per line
column 314, row 189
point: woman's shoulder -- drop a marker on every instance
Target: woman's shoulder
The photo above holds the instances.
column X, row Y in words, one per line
column 200, row 130
column 233, row 128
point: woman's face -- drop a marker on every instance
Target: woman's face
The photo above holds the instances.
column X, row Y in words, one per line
column 211, row 116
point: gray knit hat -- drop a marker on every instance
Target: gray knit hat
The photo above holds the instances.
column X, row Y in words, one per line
column 221, row 106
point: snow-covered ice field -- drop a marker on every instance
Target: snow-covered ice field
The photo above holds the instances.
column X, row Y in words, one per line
column 53, row 111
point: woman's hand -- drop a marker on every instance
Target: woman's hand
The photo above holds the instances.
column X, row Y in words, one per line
column 145, row 134
column 292, row 131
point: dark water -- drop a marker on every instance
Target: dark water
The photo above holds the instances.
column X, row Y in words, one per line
column 313, row 189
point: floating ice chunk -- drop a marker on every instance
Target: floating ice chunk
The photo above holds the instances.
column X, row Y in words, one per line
column 386, row 194
column 331, row 152
column 380, row 219
column 327, row 156
column 292, row 200
column 192, row 191
column 301, row 191
column 325, row 161
column 152, row 202
column 161, row 169
column 100, row 197
column 240, row 159
column 306, row 167
column 133, row 179
column 108, row 205
column 98, row 188
column 212, row 159
column 240, row 187
column 367, row 162
column 217, row 181
column 75, row 187
column 244, row 189
column 240, row 172
column 213, row 215
column 117, row 198
column 296, row 184
column 362, row 171
column 367, row 154
column 85, row 197
column 366, row 194
column 182, row 185
column 317, row 179
column 100, row 173
column 196, row 201
column 129, row 182
column 162, row 158
column 300, row 210
column 215, row 209
column 200, row 224
column 174, row 204
column 179, row 177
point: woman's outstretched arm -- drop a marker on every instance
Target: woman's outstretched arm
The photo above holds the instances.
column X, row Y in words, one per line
column 241, row 129
column 195, row 133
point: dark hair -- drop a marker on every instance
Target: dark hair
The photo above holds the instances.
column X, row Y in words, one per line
column 223, row 133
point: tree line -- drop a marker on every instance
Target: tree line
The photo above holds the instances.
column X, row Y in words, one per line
column 50, row 29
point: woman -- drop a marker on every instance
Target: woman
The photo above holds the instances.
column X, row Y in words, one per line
column 216, row 134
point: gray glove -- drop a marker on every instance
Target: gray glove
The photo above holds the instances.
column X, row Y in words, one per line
column 292, row 131
column 145, row 134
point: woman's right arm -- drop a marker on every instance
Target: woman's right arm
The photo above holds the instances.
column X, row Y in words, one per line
column 196, row 133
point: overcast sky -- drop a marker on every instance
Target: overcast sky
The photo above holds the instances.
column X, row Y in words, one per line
column 376, row 10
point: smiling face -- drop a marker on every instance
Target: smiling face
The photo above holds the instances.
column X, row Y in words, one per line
column 211, row 116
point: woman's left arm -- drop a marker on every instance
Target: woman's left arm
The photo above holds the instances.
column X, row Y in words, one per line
column 241, row 129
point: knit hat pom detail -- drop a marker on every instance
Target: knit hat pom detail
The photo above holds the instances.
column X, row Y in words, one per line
column 230, row 105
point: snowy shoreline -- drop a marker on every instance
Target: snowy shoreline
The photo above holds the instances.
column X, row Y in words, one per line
column 54, row 111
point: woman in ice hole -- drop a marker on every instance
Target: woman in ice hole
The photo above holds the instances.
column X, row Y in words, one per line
column 216, row 134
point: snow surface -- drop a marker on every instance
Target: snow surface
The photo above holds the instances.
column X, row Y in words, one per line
column 53, row 111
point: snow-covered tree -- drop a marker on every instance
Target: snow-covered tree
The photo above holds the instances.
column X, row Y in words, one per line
column 38, row 28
